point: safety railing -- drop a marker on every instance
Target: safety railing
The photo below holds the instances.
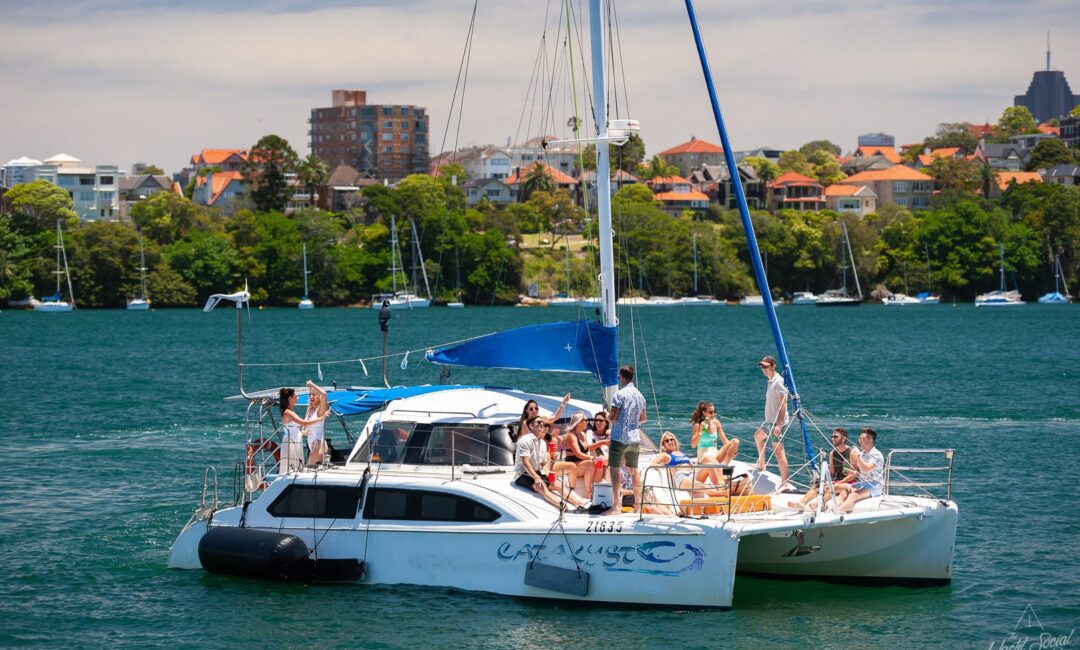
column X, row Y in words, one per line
column 909, row 476
column 697, row 506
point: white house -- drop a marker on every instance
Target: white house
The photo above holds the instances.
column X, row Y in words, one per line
column 18, row 171
column 94, row 190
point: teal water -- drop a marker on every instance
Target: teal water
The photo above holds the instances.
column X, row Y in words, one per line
column 114, row 416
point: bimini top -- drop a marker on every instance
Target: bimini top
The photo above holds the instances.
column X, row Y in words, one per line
column 571, row 346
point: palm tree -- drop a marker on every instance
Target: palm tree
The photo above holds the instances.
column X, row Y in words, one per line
column 538, row 179
column 312, row 172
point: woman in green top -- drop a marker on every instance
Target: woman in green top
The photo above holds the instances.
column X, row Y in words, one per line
column 709, row 438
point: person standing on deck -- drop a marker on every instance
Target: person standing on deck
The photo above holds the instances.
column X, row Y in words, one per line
column 776, row 416
column 627, row 415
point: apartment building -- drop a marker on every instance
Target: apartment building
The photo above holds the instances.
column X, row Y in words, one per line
column 900, row 184
column 94, row 190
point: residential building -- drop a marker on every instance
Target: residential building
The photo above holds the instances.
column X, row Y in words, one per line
column 226, row 191
column 1008, row 156
column 859, row 199
column 94, row 190
column 1062, row 175
column 18, row 171
column 492, row 189
column 715, row 182
column 857, row 164
column 676, row 195
column 693, row 153
column 1027, row 141
column 926, row 159
column 1006, row 179
column 136, row 188
column 889, row 153
column 981, row 131
column 768, row 153
column 341, row 192
column 901, row 185
column 563, row 157
column 793, row 191
column 388, row 141
column 877, row 140
column 223, row 160
column 478, row 162
column 562, row 181
column 619, row 180
column 1070, row 131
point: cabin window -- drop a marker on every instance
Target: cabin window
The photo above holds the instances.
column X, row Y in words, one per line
column 317, row 501
column 424, row 505
column 472, row 444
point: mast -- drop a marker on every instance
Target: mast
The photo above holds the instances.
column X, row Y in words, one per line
column 695, row 263
column 751, row 239
column 1001, row 268
column 59, row 246
column 420, row 259
column 142, row 266
column 843, row 259
column 603, row 175
column 393, row 254
column 851, row 253
column 305, row 271
column 929, row 276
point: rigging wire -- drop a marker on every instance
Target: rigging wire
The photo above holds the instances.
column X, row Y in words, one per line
column 463, row 66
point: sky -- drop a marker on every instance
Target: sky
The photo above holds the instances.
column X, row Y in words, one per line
column 120, row 81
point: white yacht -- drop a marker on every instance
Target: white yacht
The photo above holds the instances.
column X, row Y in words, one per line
column 900, row 299
column 1057, row 298
column 404, row 299
column 306, row 302
column 841, row 297
column 426, row 494
column 757, row 301
column 140, row 302
column 56, row 303
column 804, row 298
column 1001, row 297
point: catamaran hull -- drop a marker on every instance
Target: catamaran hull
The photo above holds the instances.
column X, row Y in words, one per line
column 639, row 565
column 916, row 549
column 138, row 305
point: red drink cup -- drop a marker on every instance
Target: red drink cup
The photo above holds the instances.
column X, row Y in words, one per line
column 599, row 463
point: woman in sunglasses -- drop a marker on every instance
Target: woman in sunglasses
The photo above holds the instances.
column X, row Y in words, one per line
column 532, row 410
column 709, row 438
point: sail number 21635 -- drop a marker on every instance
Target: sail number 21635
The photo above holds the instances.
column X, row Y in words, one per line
column 604, row 526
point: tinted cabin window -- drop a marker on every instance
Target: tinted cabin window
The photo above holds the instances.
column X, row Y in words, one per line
column 422, row 505
column 317, row 501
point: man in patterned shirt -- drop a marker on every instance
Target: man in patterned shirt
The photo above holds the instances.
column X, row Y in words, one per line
column 627, row 415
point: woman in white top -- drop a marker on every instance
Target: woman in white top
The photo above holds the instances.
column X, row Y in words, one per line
column 292, row 425
column 317, row 406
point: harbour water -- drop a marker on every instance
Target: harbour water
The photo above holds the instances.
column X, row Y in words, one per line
column 113, row 416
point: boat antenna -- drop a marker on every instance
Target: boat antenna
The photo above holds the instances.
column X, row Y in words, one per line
column 240, row 298
column 384, row 326
column 751, row 239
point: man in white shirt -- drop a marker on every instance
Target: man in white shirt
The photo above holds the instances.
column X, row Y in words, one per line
column 868, row 462
column 776, row 417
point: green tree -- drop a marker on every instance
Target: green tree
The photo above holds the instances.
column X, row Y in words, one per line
column 16, row 274
column 1016, row 120
column 206, row 261
column 38, row 205
column 795, row 161
column 104, row 257
column 952, row 134
column 767, row 171
column 826, row 167
column 264, row 171
column 955, row 174
column 813, row 146
column 152, row 170
column 166, row 217
column 537, row 179
column 168, row 289
column 312, row 172
column 1075, row 112
column 1049, row 152
column 657, row 167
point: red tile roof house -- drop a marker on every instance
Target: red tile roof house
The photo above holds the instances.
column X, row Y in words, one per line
column 792, row 191
column 1006, row 179
column 224, row 190
column 926, row 159
column 904, row 186
column 859, row 199
column 693, row 153
column 519, row 175
column 676, row 195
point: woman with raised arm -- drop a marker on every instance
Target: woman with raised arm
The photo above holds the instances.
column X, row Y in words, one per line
column 708, row 436
column 317, row 406
column 292, row 426
column 532, row 410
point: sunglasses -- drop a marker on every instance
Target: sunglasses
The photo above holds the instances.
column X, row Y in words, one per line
column 600, row 420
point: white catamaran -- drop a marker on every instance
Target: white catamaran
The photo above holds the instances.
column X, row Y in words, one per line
column 55, row 302
column 425, row 494
column 1001, row 297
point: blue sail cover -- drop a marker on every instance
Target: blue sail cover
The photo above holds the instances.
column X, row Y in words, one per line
column 571, row 346
column 355, row 401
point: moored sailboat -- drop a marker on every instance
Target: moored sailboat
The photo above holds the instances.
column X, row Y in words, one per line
column 306, row 302
column 140, row 302
column 1002, row 297
column 55, row 302
column 1056, row 297
column 841, row 297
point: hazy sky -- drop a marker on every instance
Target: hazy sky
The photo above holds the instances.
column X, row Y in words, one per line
column 118, row 81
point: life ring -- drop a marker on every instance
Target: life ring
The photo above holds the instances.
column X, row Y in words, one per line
column 268, row 446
